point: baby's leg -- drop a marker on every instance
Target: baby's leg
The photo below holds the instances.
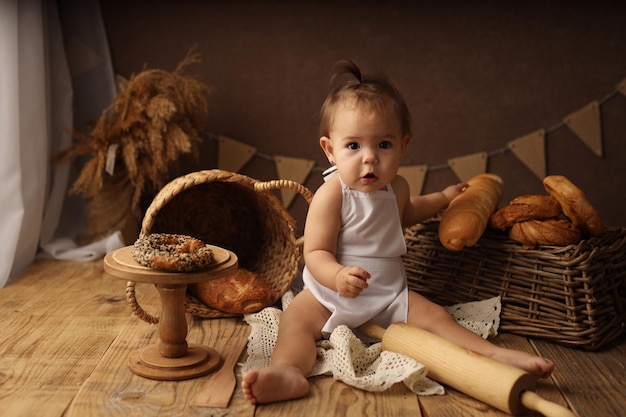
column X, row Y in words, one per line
column 432, row 317
column 293, row 356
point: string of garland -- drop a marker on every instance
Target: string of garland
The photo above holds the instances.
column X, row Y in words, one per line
column 441, row 166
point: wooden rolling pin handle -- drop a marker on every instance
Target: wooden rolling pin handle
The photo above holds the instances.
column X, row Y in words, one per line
column 499, row 385
column 534, row 402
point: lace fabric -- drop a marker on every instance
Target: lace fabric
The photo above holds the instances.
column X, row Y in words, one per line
column 367, row 367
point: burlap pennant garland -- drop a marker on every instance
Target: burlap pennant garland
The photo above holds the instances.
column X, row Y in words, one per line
column 415, row 175
column 621, row 87
column 294, row 169
column 531, row 150
column 81, row 56
column 468, row 166
column 233, row 155
column 585, row 123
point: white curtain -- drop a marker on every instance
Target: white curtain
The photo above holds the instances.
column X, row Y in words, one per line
column 55, row 74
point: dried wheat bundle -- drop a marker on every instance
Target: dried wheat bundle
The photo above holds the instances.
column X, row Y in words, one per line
column 155, row 117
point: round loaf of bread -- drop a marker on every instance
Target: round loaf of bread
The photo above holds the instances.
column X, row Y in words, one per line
column 574, row 204
column 242, row 292
column 524, row 208
column 557, row 232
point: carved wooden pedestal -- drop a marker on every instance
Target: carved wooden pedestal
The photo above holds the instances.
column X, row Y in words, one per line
column 172, row 358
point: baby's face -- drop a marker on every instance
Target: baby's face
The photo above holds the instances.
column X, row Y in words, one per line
column 366, row 146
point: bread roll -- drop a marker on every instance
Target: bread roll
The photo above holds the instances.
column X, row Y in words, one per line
column 243, row 292
column 574, row 204
column 558, row 232
column 465, row 219
column 524, row 208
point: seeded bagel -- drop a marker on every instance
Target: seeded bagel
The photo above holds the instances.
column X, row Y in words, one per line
column 172, row 252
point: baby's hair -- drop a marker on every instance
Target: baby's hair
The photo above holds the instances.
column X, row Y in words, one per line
column 376, row 91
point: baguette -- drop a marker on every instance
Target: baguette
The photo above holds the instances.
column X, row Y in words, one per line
column 467, row 215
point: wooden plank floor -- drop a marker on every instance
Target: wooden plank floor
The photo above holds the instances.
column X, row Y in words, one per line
column 67, row 332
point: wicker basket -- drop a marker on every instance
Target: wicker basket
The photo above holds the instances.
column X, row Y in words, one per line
column 237, row 213
column 573, row 295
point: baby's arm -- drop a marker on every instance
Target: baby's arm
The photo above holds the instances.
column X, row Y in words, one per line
column 320, row 243
column 418, row 208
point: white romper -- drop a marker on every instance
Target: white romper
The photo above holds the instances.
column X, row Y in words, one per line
column 370, row 237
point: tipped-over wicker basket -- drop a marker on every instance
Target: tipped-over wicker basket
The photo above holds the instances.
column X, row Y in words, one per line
column 573, row 295
column 237, row 213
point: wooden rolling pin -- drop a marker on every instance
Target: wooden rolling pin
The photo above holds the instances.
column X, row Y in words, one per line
column 500, row 385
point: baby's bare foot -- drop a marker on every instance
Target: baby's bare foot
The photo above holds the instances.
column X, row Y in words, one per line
column 273, row 384
column 534, row 365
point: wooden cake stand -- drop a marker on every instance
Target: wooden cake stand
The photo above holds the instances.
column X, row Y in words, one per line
column 172, row 359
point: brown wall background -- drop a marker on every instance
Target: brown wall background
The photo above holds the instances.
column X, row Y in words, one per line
column 476, row 75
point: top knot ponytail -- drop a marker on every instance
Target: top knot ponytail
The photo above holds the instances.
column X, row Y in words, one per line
column 372, row 90
column 346, row 67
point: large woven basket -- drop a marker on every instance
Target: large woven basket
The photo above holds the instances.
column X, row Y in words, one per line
column 234, row 212
column 573, row 295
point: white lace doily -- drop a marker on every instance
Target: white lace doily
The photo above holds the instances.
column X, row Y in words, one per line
column 348, row 359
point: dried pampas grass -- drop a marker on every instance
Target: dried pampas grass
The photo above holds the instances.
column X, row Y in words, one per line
column 155, row 117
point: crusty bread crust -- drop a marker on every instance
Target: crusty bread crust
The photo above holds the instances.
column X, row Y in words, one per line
column 574, row 204
column 243, row 292
column 524, row 208
column 466, row 217
column 559, row 232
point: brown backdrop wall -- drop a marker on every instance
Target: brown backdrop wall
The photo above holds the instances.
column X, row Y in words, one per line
column 476, row 75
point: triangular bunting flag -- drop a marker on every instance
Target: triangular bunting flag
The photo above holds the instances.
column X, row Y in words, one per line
column 294, row 169
column 81, row 57
column 585, row 123
column 621, row 87
column 233, row 155
column 415, row 176
column 468, row 166
column 531, row 150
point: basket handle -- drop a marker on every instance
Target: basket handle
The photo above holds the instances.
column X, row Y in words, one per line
column 290, row 185
column 135, row 307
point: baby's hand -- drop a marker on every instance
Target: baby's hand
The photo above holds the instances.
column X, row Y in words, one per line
column 452, row 191
column 351, row 280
